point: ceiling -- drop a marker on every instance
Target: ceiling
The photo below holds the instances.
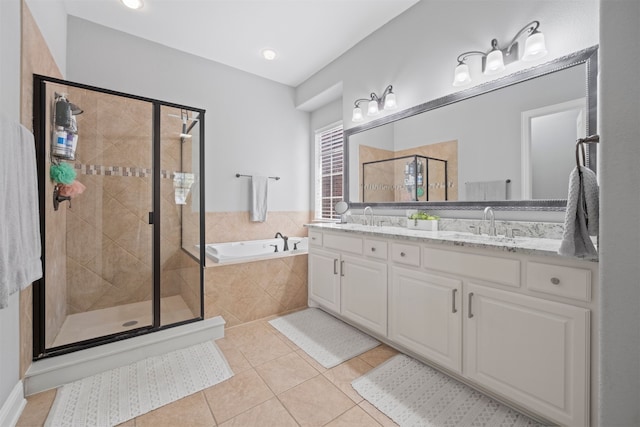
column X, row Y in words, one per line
column 306, row 34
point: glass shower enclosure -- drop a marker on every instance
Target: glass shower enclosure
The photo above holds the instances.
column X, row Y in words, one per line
column 121, row 189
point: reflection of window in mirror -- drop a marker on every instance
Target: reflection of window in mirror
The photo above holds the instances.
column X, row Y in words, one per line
column 329, row 154
column 550, row 129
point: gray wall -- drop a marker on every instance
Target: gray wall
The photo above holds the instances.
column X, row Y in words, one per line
column 619, row 223
column 10, row 108
column 252, row 125
column 416, row 52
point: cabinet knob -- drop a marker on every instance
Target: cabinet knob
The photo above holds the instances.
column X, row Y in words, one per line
column 403, row 254
column 373, row 249
column 555, row 280
column 313, row 238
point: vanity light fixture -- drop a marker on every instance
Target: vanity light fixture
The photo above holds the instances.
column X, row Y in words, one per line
column 133, row 4
column 374, row 103
column 494, row 61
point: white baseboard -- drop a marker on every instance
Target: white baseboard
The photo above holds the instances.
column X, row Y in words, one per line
column 50, row 373
column 11, row 409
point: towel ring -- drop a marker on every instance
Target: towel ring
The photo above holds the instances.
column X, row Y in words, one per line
column 592, row 139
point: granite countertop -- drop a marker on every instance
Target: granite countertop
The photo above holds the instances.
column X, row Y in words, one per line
column 521, row 245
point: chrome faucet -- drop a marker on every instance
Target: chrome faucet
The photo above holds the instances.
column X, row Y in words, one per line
column 286, row 241
column 488, row 212
column 369, row 221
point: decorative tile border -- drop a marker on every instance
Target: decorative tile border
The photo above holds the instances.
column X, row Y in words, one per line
column 119, row 171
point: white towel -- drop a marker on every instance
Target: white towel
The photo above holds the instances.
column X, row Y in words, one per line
column 474, row 191
column 582, row 215
column 496, row 190
column 259, row 190
column 20, row 249
column 182, row 183
column 486, row 190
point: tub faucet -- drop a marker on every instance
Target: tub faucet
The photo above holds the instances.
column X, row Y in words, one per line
column 369, row 221
column 286, row 240
column 488, row 212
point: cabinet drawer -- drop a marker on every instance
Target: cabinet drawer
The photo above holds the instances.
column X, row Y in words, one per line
column 559, row 280
column 405, row 254
column 343, row 243
column 315, row 238
column 375, row 249
column 498, row 270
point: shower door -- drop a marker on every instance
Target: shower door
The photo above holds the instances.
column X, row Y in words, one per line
column 115, row 265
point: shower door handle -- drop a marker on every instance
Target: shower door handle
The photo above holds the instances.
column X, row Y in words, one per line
column 150, row 217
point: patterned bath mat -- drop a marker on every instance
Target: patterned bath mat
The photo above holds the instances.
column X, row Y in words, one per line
column 413, row 394
column 121, row 394
column 323, row 337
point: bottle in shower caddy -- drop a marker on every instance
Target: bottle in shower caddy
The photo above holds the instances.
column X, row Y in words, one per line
column 59, row 142
column 62, row 111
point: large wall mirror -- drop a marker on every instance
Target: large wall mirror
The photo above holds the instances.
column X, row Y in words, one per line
column 509, row 143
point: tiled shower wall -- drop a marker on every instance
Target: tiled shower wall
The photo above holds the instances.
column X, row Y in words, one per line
column 109, row 239
column 244, row 292
column 36, row 59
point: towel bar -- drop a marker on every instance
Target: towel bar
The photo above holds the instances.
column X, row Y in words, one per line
column 251, row 176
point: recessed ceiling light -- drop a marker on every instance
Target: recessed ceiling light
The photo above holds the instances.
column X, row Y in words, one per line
column 133, row 4
column 269, row 54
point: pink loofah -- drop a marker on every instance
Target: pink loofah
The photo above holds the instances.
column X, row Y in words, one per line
column 72, row 190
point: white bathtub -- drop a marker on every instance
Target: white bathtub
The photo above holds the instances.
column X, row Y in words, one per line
column 255, row 250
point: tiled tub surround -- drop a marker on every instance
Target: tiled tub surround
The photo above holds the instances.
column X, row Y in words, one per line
column 245, row 292
column 506, row 315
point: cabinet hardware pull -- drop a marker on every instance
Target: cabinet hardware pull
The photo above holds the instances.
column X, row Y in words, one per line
column 335, row 266
column 403, row 254
column 470, row 297
column 555, row 280
column 342, row 268
column 313, row 238
column 373, row 249
column 453, row 301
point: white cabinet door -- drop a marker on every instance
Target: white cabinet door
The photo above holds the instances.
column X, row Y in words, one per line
column 324, row 278
column 531, row 351
column 425, row 315
column 364, row 292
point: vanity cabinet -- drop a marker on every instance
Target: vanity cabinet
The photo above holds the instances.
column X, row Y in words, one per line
column 324, row 278
column 531, row 350
column 364, row 293
column 350, row 285
column 515, row 325
column 425, row 315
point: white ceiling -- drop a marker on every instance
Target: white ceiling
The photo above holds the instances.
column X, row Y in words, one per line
column 307, row 34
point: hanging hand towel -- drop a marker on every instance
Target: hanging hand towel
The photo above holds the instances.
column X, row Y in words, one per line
column 582, row 215
column 20, row 249
column 259, row 189
column 496, row 190
column 182, row 183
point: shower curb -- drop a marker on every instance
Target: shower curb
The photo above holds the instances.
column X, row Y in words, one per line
column 50, row 373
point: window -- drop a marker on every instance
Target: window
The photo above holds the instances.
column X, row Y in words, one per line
column 329, row 162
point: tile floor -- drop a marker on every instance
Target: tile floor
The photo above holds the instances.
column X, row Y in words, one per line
column 275, row 384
